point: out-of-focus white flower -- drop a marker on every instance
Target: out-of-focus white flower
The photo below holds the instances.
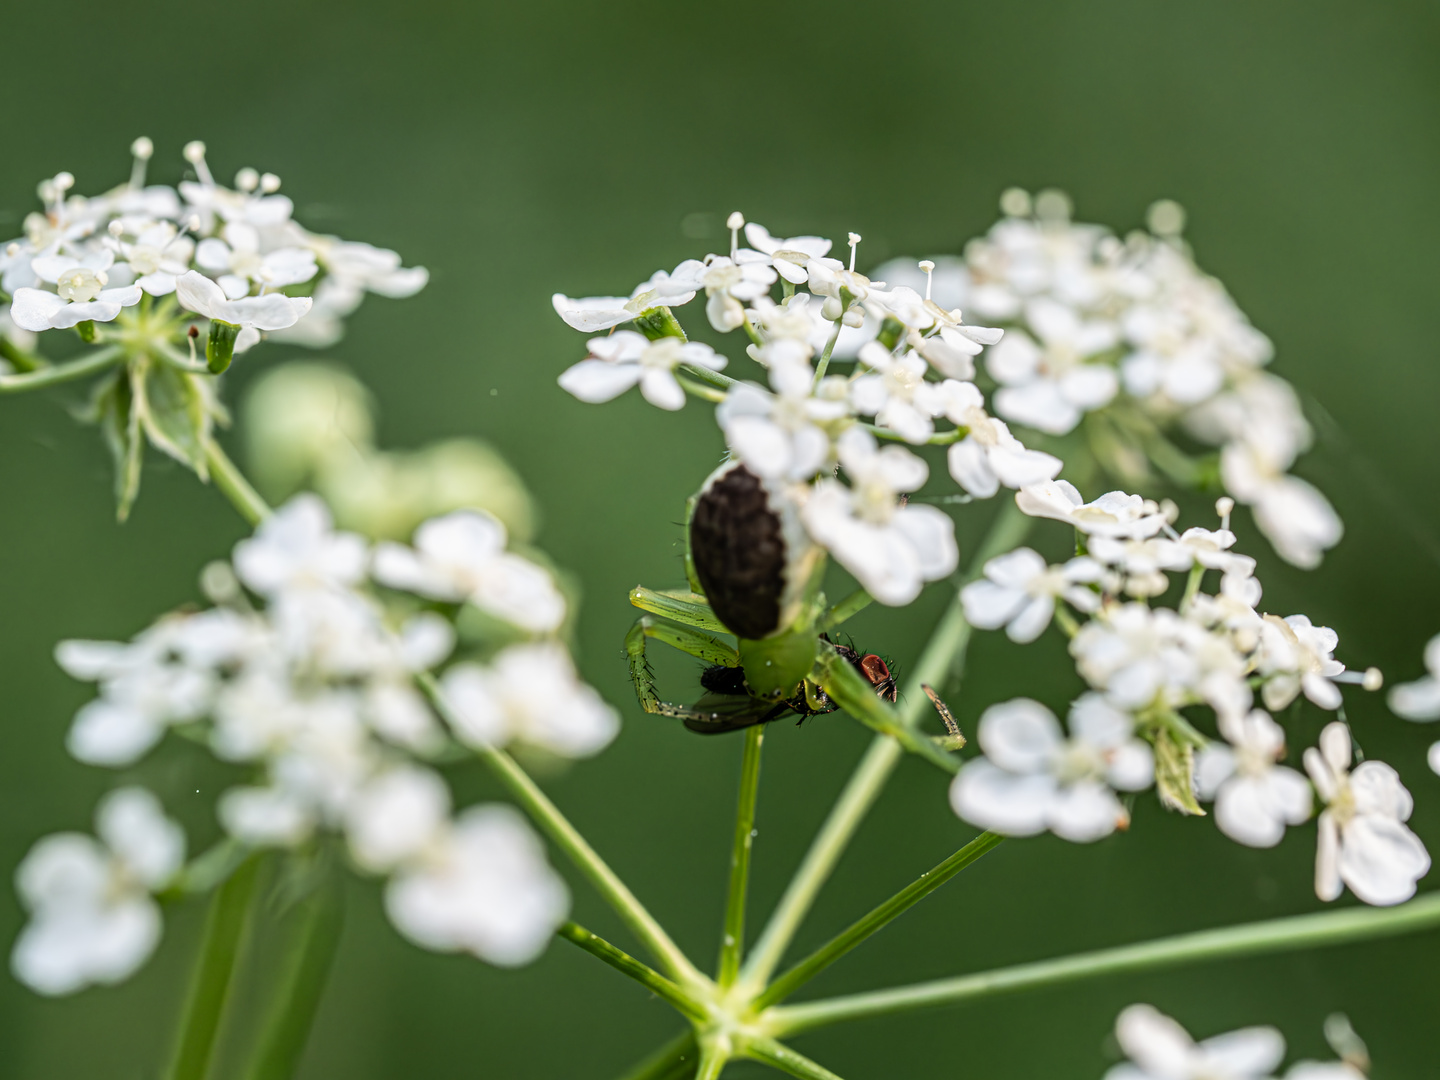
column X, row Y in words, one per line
column 93, row 919
column 483, row 887
column 1323, row 1070
column 80, row 294
column 271, row 311
column 1364, row 842
column 1420, row 700
column 1019, row 592
column 1050, row 385
column 989, row 456
column 1291, row 512
column 236, row 258
column 1294, row 656
column 1160, row 1049
column 462, row 557
column 1113, row 514
column 529, row 694
column 297, row 548
column 895, row 393
column 782, row 436
column 1033, row 778
column 618, row 362
column 1255, row 798
column 891, row 549
column 396, row 816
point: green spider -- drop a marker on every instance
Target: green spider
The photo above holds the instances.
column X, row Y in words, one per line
column 755, row 577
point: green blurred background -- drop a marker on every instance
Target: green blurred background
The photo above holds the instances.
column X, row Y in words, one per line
column 520, row 149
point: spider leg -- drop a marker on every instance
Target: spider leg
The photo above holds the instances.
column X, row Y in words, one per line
column 697, row 644
column 686, row 608
column 848, row 689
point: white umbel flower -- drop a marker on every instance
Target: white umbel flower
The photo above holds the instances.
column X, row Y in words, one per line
column 1255, row 798
column 482, row 887
column 625, row 358
column 1295, row 655
column 1114, row 514
column 529, row 694
column 1364, row 842
column 1034, row 778
column 1019, row 591
column 783, row 436
column 789, row 256
column 892, row 550
column 1049, row 385
column 93, row 919
column 895, row 392
column 270, row 311
column 989, row 455
column 1160, row 1049
column 298, row 548
column 235, row 257
column 80, row 293
column 462, row 556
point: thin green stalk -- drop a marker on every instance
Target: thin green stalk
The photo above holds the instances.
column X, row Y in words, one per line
column 232, row 484
column 673, row 1061
column 847, row 609
column 943, row 652
column 40, row 378
column 786, row 1060
column 733, row 942
column 705, row 375
column 214, row 973
column 698, row 390
column 868, row 924
column 626, row 964
column 712, row 1062
column 296, row 1000
column 578, row 850
column 19, row 359
column 823, row 364
column 1274, row 935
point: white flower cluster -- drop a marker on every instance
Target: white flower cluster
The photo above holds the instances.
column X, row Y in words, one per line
column 1420, row 700
column 315, row 694
column 1135, row 332
column 1158, row 1048
column 230, row 254
column 1146, row 664
column 913, row 362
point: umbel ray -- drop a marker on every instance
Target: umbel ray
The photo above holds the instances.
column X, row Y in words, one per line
column 755, row 577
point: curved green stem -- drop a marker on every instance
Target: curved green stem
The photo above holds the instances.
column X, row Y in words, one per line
column 1251, row 939
column 548, row 816
column 712, row 1062
column 705, row 375
column 626, row 964
column 943, row 652
column 733, row 941
column 697, row 390
column 214, row 974
column 823, row 364
column 295, row 1002
column 94, row 362
column 786, row 1060
column 673, row 1061
column 868, row 924
column 232, row 484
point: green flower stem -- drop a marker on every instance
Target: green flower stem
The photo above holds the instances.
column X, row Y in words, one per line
column 568, row 839
column 712, row 1062
column 1275, row 935
column 705, row 375
column 210, row 985
column 626, row 964
column 673, row 1061
column 940, row 438
column 943, row 653
column 40, row 378
column 233, row 485
column 19, row 359
column 733, row 941
column 786, row 1060
column 858, row 931
column 697, row 390
column 848, row 608
column 296, row 999
column 824, row 362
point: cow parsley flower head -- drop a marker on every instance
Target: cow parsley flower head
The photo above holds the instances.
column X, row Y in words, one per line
column 988, row 456
column 1019, row 592
column 1033, row 777
column 1364, row 843
column 1296, row 656
column 625, row 358
column 1114, row 514
column 92, row 916
column 1048, row 382
column 1255, row 797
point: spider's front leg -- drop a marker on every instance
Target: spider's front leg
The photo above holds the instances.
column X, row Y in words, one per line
column 696, row 643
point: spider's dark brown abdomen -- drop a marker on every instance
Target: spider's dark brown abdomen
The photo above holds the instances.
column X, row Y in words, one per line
column 739, row 552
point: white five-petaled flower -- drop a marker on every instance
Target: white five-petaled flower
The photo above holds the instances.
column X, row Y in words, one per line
column 481, row 886
column 1295, row 655
column 989, row 456
column 730, row 284
column 236, row 258
column 895, row 392
column 80, row 294
column 786, row 435
column 462, row 557
column 157, row 255
column 892, row 549
column 1050, row 385
column 1364, row 842
column 1034, row 778
column 1255, row 798
column 1019, row 592
column 1160, row 1049
column 619, row 361
column 790, row 256
column 269, row 311
column 93, row 919
column 1113, row 514
column 297, row 548
column 529, row 694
